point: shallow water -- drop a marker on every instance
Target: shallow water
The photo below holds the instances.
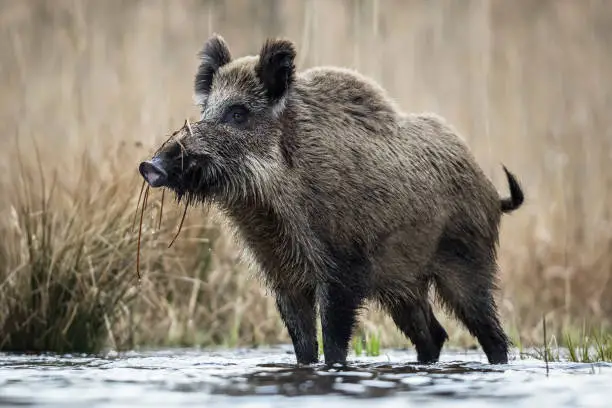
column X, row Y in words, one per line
column 269, row 378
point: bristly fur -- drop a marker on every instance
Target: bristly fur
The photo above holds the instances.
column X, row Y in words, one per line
column 213, row 56
column 340, row 197
column 276, row 68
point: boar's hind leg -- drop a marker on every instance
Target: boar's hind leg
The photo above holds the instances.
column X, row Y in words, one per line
column 464, row 275
column 417, row 321
column 297, row 309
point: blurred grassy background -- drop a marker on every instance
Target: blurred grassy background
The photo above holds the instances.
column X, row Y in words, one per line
column 94, row 86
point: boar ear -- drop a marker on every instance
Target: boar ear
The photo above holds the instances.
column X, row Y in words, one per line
column 275, row 68
column 213, row 56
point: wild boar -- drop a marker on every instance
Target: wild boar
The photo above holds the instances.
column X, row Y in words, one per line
column 340, row 197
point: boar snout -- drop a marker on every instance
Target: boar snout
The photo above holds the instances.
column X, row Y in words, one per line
column 153, row 172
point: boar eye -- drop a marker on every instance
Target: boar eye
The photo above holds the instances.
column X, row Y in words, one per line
column 236, row 115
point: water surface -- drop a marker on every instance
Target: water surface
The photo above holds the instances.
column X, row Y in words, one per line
column 269, row 378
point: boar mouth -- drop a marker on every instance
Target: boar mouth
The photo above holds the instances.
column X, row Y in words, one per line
column 187, row 177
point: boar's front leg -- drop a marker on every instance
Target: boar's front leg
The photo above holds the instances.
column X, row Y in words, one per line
column 340, row 296
column 297, row 309
column 339, row 306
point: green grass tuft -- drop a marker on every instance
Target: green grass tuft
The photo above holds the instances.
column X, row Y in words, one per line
column 587, row 347
column 368, row 343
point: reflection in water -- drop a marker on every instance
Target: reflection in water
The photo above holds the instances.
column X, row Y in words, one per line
column 363, row 379
column 269, row 378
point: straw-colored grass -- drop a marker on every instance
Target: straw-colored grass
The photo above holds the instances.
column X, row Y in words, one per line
column 97, row 86
column 66, row 274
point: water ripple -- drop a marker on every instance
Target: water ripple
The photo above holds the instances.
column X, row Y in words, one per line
column 267, row 377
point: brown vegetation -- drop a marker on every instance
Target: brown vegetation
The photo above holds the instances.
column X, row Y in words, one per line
column 94, row 85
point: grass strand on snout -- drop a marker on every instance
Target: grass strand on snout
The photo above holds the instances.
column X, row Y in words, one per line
column 144, row 204
column 138, row 204
column 186, row 124
column 161, row 209
column 180, row 224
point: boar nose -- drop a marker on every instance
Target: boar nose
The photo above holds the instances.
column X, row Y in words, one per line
column 153, row 172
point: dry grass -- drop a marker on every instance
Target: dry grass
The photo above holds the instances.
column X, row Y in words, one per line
column 66, row 273
column 527, row 83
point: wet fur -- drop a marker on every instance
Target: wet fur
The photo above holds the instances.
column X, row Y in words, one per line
column 340, row 197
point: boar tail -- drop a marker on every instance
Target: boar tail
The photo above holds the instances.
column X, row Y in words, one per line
column 516, row 198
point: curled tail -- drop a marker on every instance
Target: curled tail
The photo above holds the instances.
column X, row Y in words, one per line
column 516, row 198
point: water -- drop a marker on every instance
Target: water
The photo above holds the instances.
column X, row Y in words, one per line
column 268, row 377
